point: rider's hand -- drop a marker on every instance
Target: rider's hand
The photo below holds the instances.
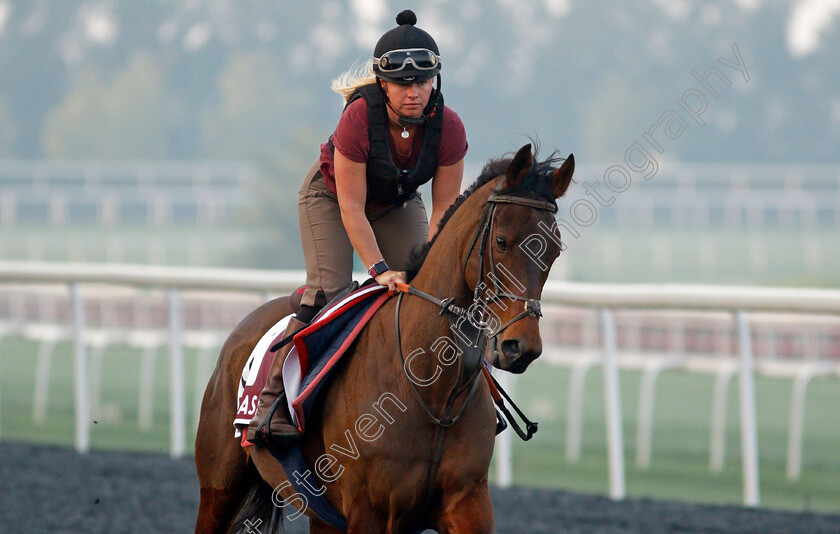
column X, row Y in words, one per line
column 391, row 279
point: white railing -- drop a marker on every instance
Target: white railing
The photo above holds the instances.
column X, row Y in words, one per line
column 113, row 192
column 682, row 194
column 173, row 280
column 605, row 298
column 735, row 300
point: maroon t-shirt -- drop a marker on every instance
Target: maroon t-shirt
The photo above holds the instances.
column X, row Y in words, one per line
column 351, row 139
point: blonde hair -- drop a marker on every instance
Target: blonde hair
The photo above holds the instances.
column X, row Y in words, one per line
column 357, row 76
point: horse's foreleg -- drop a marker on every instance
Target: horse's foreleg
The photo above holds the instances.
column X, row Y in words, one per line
column 217, row 509
column 467, row 512
column 224, row 475
column 363, row 518
column 224, row 487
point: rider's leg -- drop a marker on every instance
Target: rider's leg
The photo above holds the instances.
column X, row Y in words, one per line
column 328, row 255
column 271, row 422
column 327, row 251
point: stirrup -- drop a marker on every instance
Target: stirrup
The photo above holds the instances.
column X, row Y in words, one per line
column 262, row 434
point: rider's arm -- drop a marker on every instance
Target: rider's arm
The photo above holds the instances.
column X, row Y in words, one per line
column 446, row 186
column 351, row 189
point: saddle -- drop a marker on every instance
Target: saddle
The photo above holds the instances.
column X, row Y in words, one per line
column 318, row 349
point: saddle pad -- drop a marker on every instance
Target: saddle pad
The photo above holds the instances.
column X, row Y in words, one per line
column 314, row 355
column 320, row 347
column 254, row 375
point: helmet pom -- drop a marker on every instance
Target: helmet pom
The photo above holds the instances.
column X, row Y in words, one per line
column 406, row 17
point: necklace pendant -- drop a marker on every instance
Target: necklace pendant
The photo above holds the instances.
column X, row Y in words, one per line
column 404, row 134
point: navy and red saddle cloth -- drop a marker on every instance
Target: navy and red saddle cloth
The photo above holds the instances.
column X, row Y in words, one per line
column 316, row 352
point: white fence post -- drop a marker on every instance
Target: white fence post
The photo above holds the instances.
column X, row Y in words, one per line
column 41, row 392
column 717, row 438
column 574, row 417
column 504, row 461
column 797, row 421
column 80, row 367
column 647, row 393
column 749, row 435
column 177, row 412
column 612, row 400
column 146, row 388
column 797, row 414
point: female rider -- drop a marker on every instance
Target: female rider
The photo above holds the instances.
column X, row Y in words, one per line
column 394, row 135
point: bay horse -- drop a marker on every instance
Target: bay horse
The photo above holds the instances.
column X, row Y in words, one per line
column 428, row 462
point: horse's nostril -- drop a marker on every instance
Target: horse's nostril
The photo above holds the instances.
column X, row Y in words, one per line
column 510, row 348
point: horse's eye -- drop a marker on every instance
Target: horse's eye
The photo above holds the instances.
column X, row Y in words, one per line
column 501, row 242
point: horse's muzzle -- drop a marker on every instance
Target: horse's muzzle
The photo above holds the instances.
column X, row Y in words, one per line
column 515, row 355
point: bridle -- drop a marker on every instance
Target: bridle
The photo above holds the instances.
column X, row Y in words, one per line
column 473, row 351
column 532, row 306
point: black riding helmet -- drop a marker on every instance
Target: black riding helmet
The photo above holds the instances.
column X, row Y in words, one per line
column 406, row 54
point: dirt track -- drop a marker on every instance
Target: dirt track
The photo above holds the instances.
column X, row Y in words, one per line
column 44, row 489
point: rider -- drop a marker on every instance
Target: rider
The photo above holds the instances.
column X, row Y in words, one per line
column 394, row 135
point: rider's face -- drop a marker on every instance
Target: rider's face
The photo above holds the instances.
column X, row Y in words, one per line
column 409, row 100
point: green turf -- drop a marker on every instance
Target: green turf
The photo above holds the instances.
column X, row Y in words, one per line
column 679, row 467
column 116, row 424
column 680, row 452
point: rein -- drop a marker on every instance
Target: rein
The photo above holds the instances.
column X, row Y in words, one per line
column 474, row 367
column 446, row 420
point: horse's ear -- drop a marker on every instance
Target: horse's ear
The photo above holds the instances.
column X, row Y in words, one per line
column 519, row 167
column 562, row 177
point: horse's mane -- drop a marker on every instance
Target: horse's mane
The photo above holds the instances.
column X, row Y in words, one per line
column 535, row 185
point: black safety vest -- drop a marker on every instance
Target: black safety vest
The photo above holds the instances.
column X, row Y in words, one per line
column 386, row 183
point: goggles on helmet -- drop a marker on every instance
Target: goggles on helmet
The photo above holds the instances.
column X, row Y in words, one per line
column 397, row 60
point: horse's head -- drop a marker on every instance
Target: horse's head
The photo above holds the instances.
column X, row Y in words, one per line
column 509, row 259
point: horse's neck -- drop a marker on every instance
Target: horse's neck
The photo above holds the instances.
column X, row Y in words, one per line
column 442, row 275
column 424, row 329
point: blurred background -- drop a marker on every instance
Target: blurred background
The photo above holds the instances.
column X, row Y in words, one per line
column 178, row 133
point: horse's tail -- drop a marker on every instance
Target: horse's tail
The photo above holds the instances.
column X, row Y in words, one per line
column 258, row 512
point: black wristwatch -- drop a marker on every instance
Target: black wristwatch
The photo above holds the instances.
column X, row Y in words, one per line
column 377, row 268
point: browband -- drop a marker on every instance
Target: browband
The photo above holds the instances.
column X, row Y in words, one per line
column 509, row 199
